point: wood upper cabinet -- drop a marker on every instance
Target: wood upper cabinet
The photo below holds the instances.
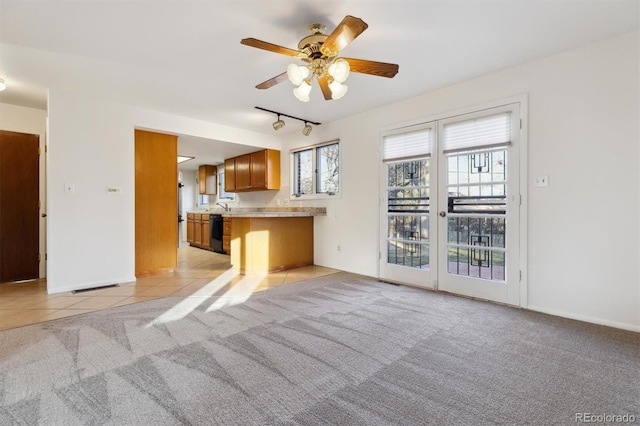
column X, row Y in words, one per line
column 243, row 173
column 257, row 171
column 230, row 175
column 207, row 179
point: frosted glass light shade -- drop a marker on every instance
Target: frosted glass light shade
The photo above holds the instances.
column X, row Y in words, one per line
column 338, row 90
column 339, row 70
column 297, row 73
column 302, row 91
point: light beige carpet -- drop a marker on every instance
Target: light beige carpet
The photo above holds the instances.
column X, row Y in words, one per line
column 341, row 350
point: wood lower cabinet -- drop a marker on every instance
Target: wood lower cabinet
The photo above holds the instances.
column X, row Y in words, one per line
column 199, row 230
column 206, row 232
column 190, row 228
column 257, row 171
column 226, row 235
column 271, row 244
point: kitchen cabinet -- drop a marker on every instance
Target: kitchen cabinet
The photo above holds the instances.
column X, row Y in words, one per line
column 230, row 175
column 207, row 176
column 190, row 230
column 257, row 171
column 199, row 230
column 206, row 232
column 226, row 235
column 271, row 244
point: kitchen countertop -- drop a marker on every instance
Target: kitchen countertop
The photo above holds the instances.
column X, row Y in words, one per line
column 269, row 212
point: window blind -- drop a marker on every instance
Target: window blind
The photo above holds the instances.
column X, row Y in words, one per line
column 482, row 132
column 415, row 143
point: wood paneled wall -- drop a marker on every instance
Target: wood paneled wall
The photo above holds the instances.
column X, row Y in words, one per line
column 156, row 202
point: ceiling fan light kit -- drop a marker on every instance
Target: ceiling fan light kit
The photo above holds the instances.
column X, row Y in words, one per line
column 320, row 52
column 302, row 92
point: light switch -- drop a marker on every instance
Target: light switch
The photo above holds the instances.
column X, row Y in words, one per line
column 541, row 181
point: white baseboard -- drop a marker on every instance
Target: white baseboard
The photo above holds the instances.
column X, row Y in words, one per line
column 91, row 285
column 599, row 321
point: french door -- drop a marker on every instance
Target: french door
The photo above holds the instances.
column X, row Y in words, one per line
column 450, row 205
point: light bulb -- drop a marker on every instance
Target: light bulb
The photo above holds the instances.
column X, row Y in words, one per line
column 338, row 90
column 339, row 70
column 297, row 74
column 302, row 91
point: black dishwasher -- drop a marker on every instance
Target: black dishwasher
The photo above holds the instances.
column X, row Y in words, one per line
column 216, row 225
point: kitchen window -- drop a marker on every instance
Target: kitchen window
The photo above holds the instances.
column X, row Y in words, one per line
column 316, row 171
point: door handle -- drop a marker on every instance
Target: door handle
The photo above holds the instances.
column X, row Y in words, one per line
column 442, row 213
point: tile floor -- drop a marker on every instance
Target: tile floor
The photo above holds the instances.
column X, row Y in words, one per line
column 200, row 273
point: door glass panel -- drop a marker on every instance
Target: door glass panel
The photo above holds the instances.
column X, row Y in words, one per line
column 476, row 218
column 408, row 213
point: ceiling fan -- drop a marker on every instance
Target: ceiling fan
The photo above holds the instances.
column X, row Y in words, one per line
column 320, row 52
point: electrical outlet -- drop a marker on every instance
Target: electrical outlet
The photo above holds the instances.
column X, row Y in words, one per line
column 277, row 201
column 338, row 248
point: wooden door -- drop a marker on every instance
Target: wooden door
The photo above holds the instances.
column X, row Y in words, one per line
column 19, row 210
column 230, row 175
column 156, row 198
column 197, row 230
column 190, row 230
column 259, row 170
column 243, row 172
column 206, row 231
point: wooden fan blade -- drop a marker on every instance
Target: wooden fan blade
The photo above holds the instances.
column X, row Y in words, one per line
column 273, row 81
column 254, row 42
column 324, row 86
column 381, row 69
column 346, row 31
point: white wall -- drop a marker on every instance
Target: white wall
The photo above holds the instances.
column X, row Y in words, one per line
column 583, row 233
column 33, row 121
column 583, row 243
column 91, row 145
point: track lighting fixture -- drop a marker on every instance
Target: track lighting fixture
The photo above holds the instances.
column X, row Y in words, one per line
column 279, row 124
column 306, row 129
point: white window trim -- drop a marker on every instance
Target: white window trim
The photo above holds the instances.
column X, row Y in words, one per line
column 314, row 195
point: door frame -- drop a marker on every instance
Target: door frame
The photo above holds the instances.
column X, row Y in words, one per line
column 523, row 100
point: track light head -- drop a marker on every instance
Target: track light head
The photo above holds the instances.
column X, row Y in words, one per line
column 279, row 124
column 306, row 129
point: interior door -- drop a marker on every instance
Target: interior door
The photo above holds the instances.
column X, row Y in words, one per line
column 478, row 205
column 19, row 210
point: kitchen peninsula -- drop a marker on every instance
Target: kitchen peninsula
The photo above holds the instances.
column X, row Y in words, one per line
column 265, row 240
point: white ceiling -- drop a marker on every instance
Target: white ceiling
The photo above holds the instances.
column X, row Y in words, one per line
column 184, row 56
